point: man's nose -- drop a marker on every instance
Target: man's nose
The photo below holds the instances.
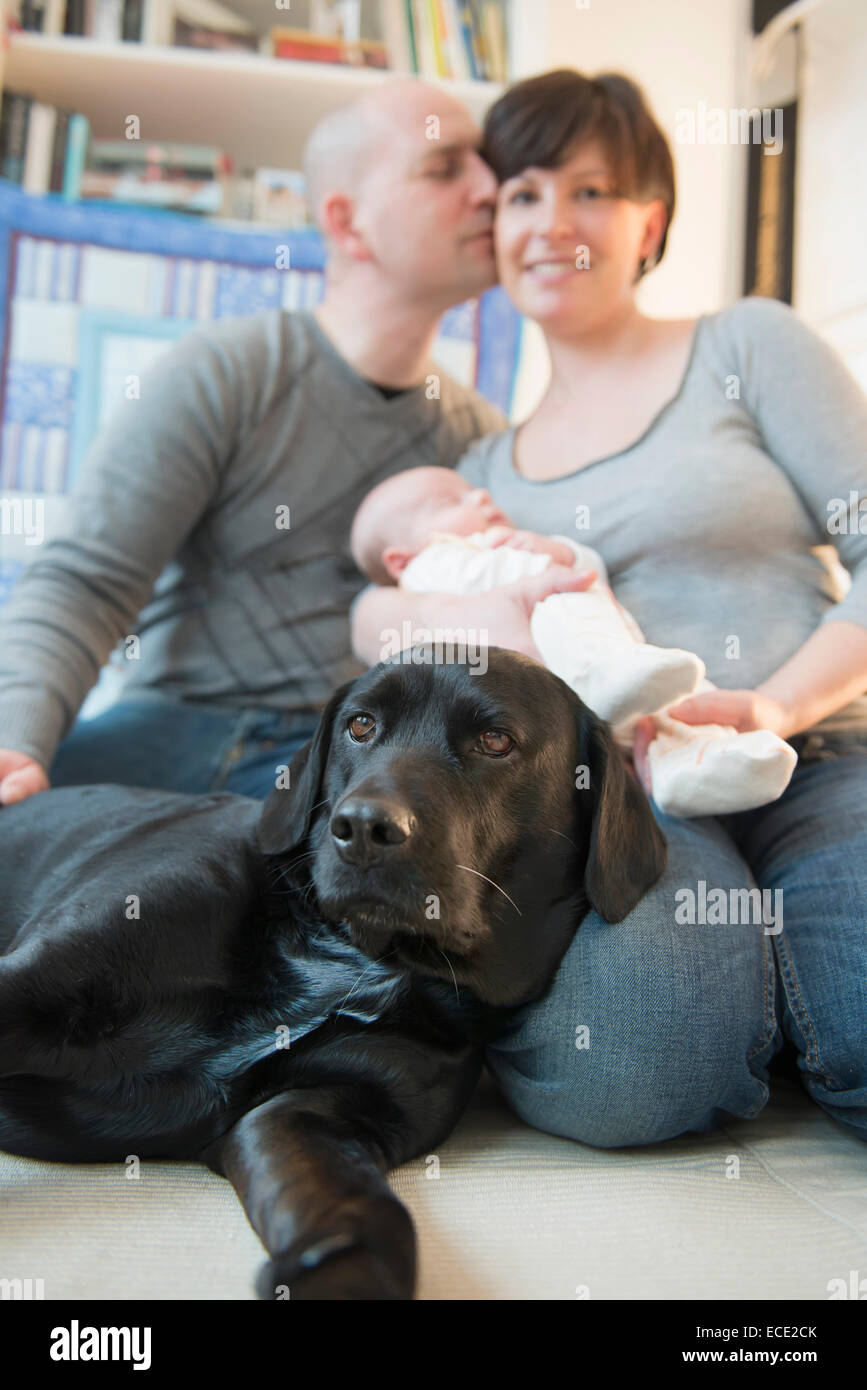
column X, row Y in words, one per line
column 484, row 181
column 368, row 830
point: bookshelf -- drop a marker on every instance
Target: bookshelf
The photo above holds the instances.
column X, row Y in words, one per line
column 258, row 110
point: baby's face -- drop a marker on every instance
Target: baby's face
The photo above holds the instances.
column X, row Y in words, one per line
column 465, row 510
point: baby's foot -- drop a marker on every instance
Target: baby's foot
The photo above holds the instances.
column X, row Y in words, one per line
column 711, row 770
column 619, row 679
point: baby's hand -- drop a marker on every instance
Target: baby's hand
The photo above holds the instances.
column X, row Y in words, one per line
column 542, row 545
column 499, row 535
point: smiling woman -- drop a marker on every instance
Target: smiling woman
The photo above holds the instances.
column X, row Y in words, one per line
column 697, row 457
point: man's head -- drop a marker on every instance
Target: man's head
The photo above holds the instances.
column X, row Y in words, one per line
column 397, row 187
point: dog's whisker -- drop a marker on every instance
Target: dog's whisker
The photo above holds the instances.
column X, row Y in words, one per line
column 493, row 885
column 552, row 831
column 362, row 975
column 450, row 966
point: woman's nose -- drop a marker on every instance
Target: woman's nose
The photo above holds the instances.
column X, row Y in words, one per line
column 556, row 218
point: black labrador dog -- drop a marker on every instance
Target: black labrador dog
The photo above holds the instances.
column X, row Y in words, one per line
column 298, row 994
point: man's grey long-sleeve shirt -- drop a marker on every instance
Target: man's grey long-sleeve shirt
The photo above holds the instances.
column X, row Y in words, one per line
column 211, row 520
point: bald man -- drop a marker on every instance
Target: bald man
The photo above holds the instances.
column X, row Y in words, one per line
column 209, row 528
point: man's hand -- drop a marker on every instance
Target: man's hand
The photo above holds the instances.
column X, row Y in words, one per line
column 504, row 613
column 20, row 776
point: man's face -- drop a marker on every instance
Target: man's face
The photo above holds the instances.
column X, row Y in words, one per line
column 426, row 206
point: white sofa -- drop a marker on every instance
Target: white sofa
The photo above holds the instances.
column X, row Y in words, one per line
column 513, row 1214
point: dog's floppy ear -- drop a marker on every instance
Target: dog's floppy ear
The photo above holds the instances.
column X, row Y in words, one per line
column 285, row 820
column 627, row 848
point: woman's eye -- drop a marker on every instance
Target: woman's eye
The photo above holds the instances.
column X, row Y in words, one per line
column 521, row 195
column 590, row 194
column 361, row 726
column 496, row 743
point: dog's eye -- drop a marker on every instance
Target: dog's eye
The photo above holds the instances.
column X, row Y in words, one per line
column 496, row 743
column 361, row 726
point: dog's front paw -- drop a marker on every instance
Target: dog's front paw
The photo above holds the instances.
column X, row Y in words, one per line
column 334, row 1269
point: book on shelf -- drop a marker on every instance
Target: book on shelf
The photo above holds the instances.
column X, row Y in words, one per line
column 214, row 40
column 461, row 39
column 325, row 48
column 47, row 150
column 42, row 148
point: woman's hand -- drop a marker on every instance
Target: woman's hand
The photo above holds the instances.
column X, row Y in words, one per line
column 560, row 553
column 744, row 710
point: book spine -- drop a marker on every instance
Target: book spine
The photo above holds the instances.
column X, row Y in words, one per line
column 40, row 143
column 469, row 41
column 75, row 17
column 410, row 29
column 58, row 154
column 32, row 16
column 107, row 20
column 133, row 20
column 435, row 19
column 76, row 155
column 16, row 137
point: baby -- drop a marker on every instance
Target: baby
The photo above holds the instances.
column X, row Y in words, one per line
column 429, row 531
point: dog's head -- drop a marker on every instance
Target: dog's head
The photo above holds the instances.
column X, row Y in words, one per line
column 462, row 824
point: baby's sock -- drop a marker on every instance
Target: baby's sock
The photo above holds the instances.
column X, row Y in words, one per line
column 583, row 639
column 711, row 769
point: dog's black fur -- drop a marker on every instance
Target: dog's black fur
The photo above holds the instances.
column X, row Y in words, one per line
column 299, row 994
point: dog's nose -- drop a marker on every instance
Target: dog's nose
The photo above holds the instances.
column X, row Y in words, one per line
column 366, row 829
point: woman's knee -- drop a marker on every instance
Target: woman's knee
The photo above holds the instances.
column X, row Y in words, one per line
column 654, row 1027
column 642, row 1088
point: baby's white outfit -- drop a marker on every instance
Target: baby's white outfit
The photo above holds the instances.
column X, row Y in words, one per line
column 593, row 644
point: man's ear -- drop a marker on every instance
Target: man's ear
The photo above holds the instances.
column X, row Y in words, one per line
column 286, row 815
column 627, row 848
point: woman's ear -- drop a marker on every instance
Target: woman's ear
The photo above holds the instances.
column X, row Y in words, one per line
column 655, row 223
column 285, row 820
column 395, row 561
column 627, row 852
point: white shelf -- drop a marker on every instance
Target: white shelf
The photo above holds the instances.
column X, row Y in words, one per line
column 259, row 110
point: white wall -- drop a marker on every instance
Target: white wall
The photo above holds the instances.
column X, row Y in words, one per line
column 682, row 52
column 831, row 179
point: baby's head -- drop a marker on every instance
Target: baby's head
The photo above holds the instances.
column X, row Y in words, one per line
column 398, row 517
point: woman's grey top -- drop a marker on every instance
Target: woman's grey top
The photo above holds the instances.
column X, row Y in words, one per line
column 708, row 523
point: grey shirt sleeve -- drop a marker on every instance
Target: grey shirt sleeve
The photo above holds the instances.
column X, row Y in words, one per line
column 813, row 418
column 145, row 482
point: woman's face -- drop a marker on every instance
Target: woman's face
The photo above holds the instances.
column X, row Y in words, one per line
column 567, row 246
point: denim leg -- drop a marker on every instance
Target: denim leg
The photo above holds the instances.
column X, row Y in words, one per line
column 149, row 743
column 812, row 845
column 267, row 746
column 680, row 1018
column 181, row 746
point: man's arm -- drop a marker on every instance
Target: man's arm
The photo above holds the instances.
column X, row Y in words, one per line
column 145, row 483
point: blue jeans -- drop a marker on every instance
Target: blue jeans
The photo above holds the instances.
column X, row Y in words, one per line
column 683, row 1017
column 657, row 1025
column 155, row 742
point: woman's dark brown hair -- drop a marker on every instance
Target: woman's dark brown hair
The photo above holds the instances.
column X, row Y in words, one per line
column 543, row 120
